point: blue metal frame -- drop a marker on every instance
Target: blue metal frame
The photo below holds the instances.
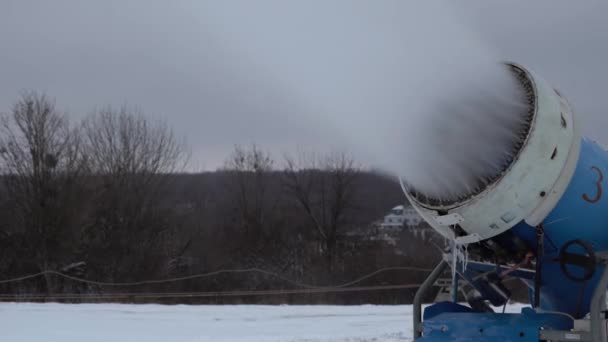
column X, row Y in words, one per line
column 453, row 322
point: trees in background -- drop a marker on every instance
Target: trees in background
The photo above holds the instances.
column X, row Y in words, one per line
column 106, row 198
column 249, row 171
column 129, row 158
column 43, row 167
column 262, row 234
column 325, row 190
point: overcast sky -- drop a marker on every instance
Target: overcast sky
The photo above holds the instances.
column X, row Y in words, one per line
column 182, row 60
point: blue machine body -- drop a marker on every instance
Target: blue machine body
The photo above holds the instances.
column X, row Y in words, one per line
column 581, row 214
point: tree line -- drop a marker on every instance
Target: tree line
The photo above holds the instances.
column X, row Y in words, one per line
column 107, row 199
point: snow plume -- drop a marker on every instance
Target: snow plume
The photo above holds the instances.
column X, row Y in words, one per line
column 403, row 85
column 466, row 137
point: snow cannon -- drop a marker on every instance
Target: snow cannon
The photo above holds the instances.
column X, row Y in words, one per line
column 541, row 218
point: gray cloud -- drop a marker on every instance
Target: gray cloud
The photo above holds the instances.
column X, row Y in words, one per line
column 170, row 59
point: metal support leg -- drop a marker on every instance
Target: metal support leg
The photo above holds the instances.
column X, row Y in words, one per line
column 428, row 283
column 455, row 289
column 598, row 304
column 540, row 251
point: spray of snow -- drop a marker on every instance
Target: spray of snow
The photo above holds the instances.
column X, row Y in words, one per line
column 467, row 136
column 404, row 86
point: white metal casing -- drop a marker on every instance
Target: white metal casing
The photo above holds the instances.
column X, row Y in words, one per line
column 532, row 185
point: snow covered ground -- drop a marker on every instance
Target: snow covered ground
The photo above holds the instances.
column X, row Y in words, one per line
column 184, row 323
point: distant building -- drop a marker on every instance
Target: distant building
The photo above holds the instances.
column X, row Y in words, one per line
column 398, row 220
column 412, row 218
column 400, row 217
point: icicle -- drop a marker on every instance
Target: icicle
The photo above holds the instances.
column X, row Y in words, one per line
column 454, row 259
column 460, row 252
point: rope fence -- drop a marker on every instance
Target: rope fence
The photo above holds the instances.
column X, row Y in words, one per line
column 302, row 288
column 243, row 293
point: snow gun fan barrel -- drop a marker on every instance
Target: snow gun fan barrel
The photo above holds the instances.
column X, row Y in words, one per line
column 524, row 182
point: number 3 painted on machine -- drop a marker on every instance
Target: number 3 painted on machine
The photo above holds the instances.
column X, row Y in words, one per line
column 598, row 184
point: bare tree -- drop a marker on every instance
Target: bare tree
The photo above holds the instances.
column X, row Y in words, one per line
column 43, row 168
column 130, row 158
column 324, row 187
column 123, row 142
column 249, row 171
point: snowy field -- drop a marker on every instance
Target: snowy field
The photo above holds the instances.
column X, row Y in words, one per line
column 184, row 323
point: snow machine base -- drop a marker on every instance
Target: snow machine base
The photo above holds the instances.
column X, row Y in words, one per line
column 453, row 322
